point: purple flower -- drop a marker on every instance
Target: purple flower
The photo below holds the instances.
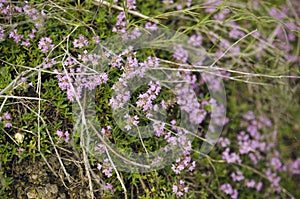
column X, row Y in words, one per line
column 48, row 63
column 236, row 33
column 276, row 163
column 26, row 43
column 230, row 157
column 250, row 183
column 221, row 15
column 30, row 12
column 294, row 167
column 175, row 188
column 243, row 136
column 273, row 178
column 17, row 37
column 108, row 186
column 67, row 136
column 7, row 116
column 195, row 40
column 238, row 176
column 180, row 189
column 150, row 26
column 259, row 186
column 227, row 188
column 59, row 133
column 212, row 5
column 45, row 44
column 252, row 129
column 20, row 150
column 31, row 35
column 224, row 142
column 8, row 125
column 131, row 4
column 180, row 54
column 1, row 33
column 80, row 42
column 96, row 39
column 249, row 116
column 273, row 12
column 108, row 172
column 235, row 194
column 121, row 23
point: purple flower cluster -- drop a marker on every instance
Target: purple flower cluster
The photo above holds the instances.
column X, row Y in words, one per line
column 131, row 4
column 83, row 79
column 132, row 68
column 257, row 147
column 180, row 140
column 145, row 100
column 212, row 81
column 188, row 102
column 238, row 176
column 235, row 33
column 227, row 188
column 45, row 44
column 80, row 42
column 180, row 189
column 196, row 40
column 222, row 14
column 1, row 33
column 48, row 63
column 252, row 184
column 231, row 157
column 121, row 23
column 180, row 54
column 151, row 26
column 294, row 167
column 224, row 142
column 183, row 163
column 181, row 5
column 274, row 179
column 106, row 168
column 131, row 35
column 131, row 120
column 17, row 37
column 212, row 5
column 6, row 117
column 278, row 14
column 251, row 142
column 63, row 135
column 31, row 12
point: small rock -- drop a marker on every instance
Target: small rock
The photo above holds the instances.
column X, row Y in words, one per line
column 31, row 194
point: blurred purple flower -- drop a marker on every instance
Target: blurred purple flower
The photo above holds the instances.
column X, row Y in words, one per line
column 8, row 125
column 195, row 40
column 180, row 54
column 150, row 26
column 238, row 176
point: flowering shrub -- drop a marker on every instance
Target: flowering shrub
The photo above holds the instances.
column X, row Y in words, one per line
column 125, row 99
